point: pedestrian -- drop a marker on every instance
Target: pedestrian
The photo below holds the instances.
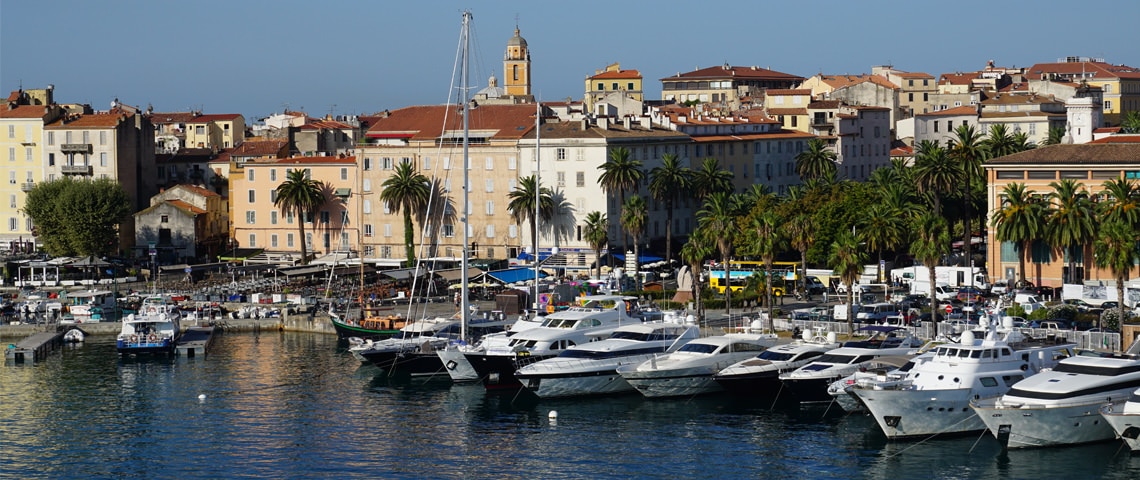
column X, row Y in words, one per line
column 457, row 301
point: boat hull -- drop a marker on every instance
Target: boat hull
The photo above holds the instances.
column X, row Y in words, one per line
column 456, row 365
column 1125, row 425
column 605, row 382
column 414, row 363
column 903, row 414
column 498, row 371
column 1029, row 427
column 674, row 382
column 145, row 347
column 346, row 331
column 809, row 390
column 764, row 384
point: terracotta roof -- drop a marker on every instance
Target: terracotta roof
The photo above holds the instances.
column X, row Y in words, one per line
column 325, row 124
column 617, row 74
column 196, row 190
column 14, row 96
column 913, row 75
column 23, row 111
column 185, row 155
column 215, row 117
column 958, row 78
column 1114, row 154
column 1100, row 70
column 963, row 110
column 903, row 151
column 426, row 122
column 93, row 120
column 1119, row 138
column 787, row 111
column 615, row 130
column 1015, row 88
column 735, row 72
column 1019, row 100
column 825, row 104
column 843, row 81
column 186, row 207
column 1107, row 130
column 871, row 108
column 171, row 117
column 788, row 91
column 259, row 148
column 315, row 160
column 781, row 135
column 989, row 115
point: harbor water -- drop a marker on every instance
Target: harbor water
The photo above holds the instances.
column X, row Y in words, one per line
column 290, row 405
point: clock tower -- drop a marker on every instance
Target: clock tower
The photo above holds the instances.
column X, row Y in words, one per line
column 1084, row 115
column 516, row 67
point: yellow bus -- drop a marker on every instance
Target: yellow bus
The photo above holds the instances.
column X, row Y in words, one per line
column 739, row 271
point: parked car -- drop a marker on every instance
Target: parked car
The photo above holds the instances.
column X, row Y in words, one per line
column 1045, row 291
column 1081, row 305
column 969, row 295
column 1000, row 287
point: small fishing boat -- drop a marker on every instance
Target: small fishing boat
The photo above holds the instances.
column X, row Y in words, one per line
column 154, row 330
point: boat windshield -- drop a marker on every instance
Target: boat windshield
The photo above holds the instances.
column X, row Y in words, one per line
column 653, row 336
column 567, row 323
column 601, row 355
column 698, row 348
column 774, row 356
column 836, row 359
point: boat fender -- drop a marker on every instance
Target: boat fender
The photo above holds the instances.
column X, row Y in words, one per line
column 152, row 338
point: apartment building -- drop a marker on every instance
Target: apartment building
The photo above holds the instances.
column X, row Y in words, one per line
column 22, row 147
column 612, row 79
column 725, row 84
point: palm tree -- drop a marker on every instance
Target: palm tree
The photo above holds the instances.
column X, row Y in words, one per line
column 633, row 217
column 816, row 162
column 299, row 195
column 847, row 259
column 666, row 183
column 801, row 233
column 694, row 252
column 882, row 229
column 931, row 242
column 710, row 178
column 1070, row 220
column 521, row 206
column 596, row 234
column 1124, row 202
column 407, row 190
column 621, row 174
column 935, row 173
column 769, row 241
column 1022, row 143
column 720, row 214
column 1117, row 250
column 966, row 147
column 1020, row 220
column 1056, row 136
column 1000, row 142
column 1131, row 122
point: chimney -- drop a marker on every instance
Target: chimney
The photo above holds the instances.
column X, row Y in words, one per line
column 585, row 124
column 604, row 123
column 628, row 123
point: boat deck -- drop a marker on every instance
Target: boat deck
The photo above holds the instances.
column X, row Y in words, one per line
column 36, row 347
column 195, row 341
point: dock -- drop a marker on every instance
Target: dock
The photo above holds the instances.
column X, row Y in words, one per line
column 36, row 347
column 195, row 341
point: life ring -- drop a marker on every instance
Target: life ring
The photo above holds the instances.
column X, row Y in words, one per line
column 151, row 310
column 152, row 338
column 134, row 338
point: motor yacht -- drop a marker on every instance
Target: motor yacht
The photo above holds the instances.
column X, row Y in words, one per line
column 933, row 396
column 454, row 357
column 809, row 383
column 154, row 330
column 1125, row 420
column 1062, row 406
column 759, row 376
column 880, row 369
column 591, row 368
column 690, row 369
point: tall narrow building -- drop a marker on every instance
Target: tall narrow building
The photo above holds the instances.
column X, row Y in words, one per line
column 516, row 66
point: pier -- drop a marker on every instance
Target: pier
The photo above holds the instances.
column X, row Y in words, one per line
column 195, row 341
column 36, row 347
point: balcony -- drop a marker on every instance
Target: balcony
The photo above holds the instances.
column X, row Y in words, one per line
column 76, row 148
column 76, row 169
column 27, row 186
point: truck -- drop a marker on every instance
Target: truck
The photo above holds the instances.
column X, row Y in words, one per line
column 918, row 277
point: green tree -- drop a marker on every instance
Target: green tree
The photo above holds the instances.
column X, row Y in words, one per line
column 596, row 234
column 720, row 213
column 769, row 242
column 1000, row 142
column 78, row 217
column 1131, row 122
column 407, row 190
column 633, row 217
column 1123, row 202
column 800, row 230
column 667, row 183
column 816, row 162
column 936, row 173
column 1019, row 219
column 1021, row 142
column 522, row 206
column 1118, row 250
column 710, row 179
column 967, row 148
column 1069, row 222
column 931, row 242
column 301, row 195
column 694, row 252
column 847, row 259
column 882, row 229
column 1056, row 136
column 621, row 174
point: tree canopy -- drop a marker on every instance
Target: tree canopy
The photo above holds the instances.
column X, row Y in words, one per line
column 78, row 217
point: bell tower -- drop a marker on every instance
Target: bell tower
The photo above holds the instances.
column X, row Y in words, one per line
column 516, row 66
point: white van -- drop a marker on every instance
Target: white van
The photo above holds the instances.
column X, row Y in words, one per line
column 1025, row 298
column 876, row 312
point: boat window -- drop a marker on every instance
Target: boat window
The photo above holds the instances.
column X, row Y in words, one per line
column 1009, row 380
column 988, row 354
column 1060, row 354
column 952, row 352
column 832, row 358
column 698, row 348
column 864, row 358
column 746, row 347
column 778, row 356
column 988, row 381
column 977, row 353
column 605, row 354
column 963, row 353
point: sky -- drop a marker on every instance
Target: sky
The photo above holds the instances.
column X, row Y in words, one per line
column 259, row 57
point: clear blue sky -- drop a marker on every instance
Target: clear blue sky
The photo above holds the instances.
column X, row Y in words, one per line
column 255, row 56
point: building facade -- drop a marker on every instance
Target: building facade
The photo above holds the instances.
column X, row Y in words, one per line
column 187, row 224
column 22, row 147
column 726, row 85
column 610, row 80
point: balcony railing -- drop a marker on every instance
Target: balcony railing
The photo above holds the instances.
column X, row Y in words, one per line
column 76, row 170
column 27, row 186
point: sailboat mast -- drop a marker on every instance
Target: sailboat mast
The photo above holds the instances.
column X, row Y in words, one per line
column 466, row 163
column 537, row 192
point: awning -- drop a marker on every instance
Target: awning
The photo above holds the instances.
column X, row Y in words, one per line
column 240, row 254
column 402, row 274
column 512, row 275
column 641, row 257
column 455, row 274
column 302, row 271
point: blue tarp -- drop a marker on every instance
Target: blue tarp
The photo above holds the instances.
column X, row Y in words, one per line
column 528, row 257
column 642, row 258
column 512, row 275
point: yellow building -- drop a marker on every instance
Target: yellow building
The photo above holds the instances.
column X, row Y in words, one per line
column 1090, row 164
column 726, row 84
column 258, row 223
column 1120, row 83
column 516, row 66
column 21, row 144
column 789, row 107
column 215, row 131
column 610, row 80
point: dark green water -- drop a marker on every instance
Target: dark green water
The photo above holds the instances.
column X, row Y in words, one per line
column 293, row 406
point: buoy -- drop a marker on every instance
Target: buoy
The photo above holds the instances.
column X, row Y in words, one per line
column 202, row 397
column 553, row 414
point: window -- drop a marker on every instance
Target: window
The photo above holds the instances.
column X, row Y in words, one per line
column 490, row 207
column 325, row 240
column 11, row 131
column 28, row 155
column 51, row 138
column 581, row 179
column 12, row 201
column 449, row 230
column 200, row 130
column 1108, row 104
column 490, row 164
column 490, row 231
column 560, row 153
column 289, row 240
column 273, row 196
column 561, row 179
column 490, row 185
column 164, row 219
column 252, row 197
column 512, row 163
column 102, row 138
column 249, row 173
column 250, row 217
column 909, row 97
column 386, row 163
column 86, row 137
column 11, row 154
column 512, row 231
column 935, row 126
column 51, row 159
column 427, row 163
column 324, row 216
column 367, row 164
column 366, row 185
column 367, row 206
column 273, row 217
column 387, row 229
column 367, row 229
column 344, row 174
column 447, row 163
column 13, row 223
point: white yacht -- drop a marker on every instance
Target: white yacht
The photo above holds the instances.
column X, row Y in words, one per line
column 933, row 396
column 690, row 369
column 594, row 318
column 154, row 330
column 1125, row 420
column 882, row 370
column 759, row 376
column 454, row 357
column 809, row 383
column 591, row 369
column 1062, row 406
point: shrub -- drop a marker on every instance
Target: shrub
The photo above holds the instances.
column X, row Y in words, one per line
column 1015, row 311
column 1061, row 312
column 1039, row 314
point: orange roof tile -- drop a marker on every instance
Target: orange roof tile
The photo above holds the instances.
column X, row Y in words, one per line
column 787, row 111
column 1098, row 69
column 963, row 110
column 1119, row 138
column 186, row 207
column 196, row 190
column 617, row 74
column 426, row 122
column 913, row 75
column 736, row 72
column 259, row 148
column 23, row 111
column 171, row 117
column 92, row 120
column 215, row 117
column 315, row 160
column 958, row 78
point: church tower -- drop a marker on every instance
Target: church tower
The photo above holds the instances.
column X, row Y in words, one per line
column 516, row 67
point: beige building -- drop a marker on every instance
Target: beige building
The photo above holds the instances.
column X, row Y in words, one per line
column 1030, row 113
column 1090, row 164
column 215, row 131
column 610, row 80
column 915, row 89
column 22, row 147
column 1119, row 84
column 724, row 85
column 789, row 107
